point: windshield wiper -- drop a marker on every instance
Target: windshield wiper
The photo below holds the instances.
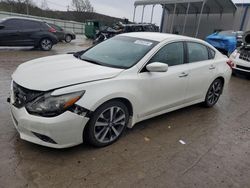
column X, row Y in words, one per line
column 77, row 54
column 90, row 60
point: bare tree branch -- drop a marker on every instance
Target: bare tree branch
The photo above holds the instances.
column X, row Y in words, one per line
column 82, row 6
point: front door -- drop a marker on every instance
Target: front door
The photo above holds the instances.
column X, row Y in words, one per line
column 27, row 31
column 10, row 35
column 168, row 89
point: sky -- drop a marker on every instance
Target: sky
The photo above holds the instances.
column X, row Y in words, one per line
column 116, row 8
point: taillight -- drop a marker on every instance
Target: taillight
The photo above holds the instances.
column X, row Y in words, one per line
column 234, row 54
column 230, row 63
column 52, row 30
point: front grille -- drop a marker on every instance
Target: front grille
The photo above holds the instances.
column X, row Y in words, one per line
column 245, row 55
column 22, row 95
column 242, row 67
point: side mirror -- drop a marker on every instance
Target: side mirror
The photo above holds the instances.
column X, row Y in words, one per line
column 157, row 67
column 2, row 26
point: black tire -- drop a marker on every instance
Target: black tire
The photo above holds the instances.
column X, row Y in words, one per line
column 214, row 92
column 68, row 38
column 46, row 44
column 101, row 129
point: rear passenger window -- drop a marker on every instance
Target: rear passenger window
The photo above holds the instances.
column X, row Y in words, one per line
column 211, row 53
column 171, row 54
column 197, row 52
column 27, row 24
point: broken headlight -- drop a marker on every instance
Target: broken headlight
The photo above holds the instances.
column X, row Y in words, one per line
column 51, row 106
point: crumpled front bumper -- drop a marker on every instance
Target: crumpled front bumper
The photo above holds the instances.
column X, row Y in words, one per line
column 62, row 131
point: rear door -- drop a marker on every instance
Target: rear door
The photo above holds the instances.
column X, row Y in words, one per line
column 202, row 69
column 27, row 30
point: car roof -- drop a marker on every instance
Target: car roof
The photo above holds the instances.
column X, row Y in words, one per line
column 159, row 37
column 22, row 18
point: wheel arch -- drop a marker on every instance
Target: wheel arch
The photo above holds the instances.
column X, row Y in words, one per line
column 223, row 81
column 69, row 35
column 124, row 100
column 212, row 80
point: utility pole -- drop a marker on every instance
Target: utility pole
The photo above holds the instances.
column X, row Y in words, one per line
column 27, row 7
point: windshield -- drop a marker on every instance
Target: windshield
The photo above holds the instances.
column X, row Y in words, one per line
column 119, row 52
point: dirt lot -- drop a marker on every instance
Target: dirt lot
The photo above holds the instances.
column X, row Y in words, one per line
column 216, row 153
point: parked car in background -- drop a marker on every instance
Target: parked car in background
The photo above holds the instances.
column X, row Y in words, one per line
column 95, row 94
column 140, row 28
column 17, row 31
column 225, row 41
column 241, row 57
column 62, row 34
column 108, row 32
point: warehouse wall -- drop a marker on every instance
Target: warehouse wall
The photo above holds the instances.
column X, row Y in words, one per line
column 209, row 22
column 76, row 27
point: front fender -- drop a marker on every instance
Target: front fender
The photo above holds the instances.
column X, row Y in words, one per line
column 99, row 92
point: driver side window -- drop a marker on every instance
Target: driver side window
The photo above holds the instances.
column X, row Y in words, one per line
column 171, row 54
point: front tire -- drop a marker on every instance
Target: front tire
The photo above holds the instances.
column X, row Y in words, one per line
column 214, row 92
column 46, row 44
column 107, row 124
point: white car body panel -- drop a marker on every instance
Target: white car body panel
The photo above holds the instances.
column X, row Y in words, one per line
column 235, row 57
column 60, row 71
column 150, row 94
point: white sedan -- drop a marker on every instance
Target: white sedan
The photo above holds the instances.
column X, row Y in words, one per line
column 93, row 95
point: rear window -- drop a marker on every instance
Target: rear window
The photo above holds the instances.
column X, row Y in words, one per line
column 211, row 53
column 56, row 27
column 28, row 24
column 197, row 52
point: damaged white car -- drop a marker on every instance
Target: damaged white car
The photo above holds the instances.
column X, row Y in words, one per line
column 241, row 57
column 93, row 95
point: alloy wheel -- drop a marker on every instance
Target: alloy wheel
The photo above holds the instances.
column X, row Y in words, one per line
column 68, row 39
column 46, row 44
column 110, row 124
column 214, row 92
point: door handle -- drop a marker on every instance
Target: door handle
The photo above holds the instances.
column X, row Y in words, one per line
column 212, row 67
column 183, row 74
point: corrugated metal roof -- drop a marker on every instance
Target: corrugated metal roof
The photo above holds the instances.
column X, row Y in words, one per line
column 211, row 6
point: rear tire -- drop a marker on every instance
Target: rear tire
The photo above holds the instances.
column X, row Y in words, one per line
column 46, row 44
column 68, row 38
column 106, row 124
column 214, row 92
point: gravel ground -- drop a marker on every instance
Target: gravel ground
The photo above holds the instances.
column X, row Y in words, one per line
column 215, row 151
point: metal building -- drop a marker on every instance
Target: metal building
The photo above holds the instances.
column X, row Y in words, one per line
column 199, row 18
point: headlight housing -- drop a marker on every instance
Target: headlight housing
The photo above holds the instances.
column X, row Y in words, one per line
column 51, row 106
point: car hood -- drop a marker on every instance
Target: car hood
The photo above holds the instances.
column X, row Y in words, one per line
column 57, row 71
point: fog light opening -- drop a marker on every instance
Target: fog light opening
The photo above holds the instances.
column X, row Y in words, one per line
column 44, row 138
